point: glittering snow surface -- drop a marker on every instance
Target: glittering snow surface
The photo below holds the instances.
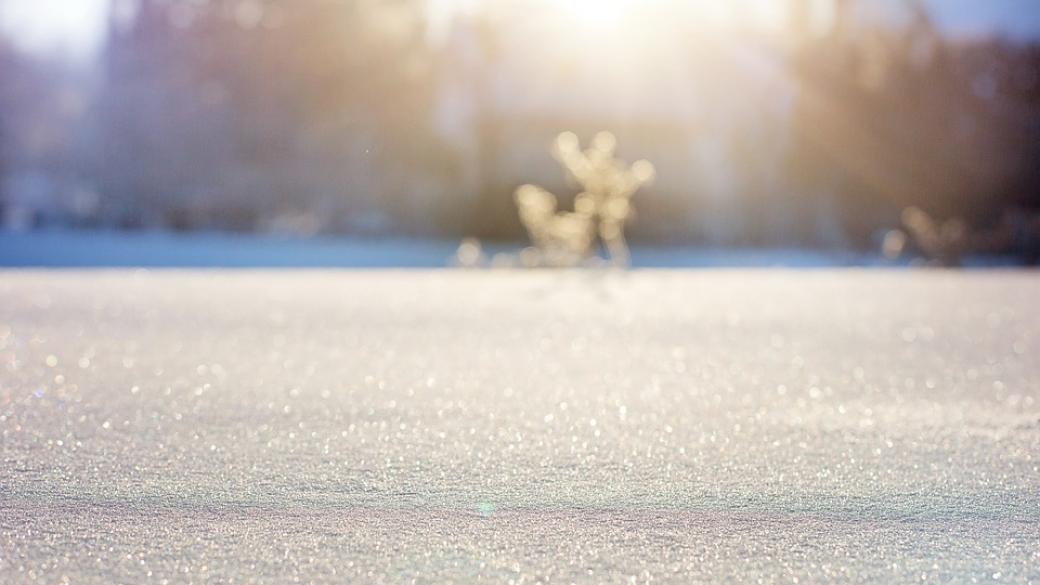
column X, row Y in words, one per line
column 744, row 426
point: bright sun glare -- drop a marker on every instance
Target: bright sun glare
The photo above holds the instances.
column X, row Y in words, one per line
column 621, row 17
column 599, row 15
column 74, row 25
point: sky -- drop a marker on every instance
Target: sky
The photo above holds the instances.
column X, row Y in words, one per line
column 1016, row 18
column 75, row 27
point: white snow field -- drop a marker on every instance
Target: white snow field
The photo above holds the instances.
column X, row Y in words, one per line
column 833, row 426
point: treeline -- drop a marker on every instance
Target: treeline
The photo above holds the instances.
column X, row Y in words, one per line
column 890, row 118
column 319, row 117
column 244, row 115
column 250, row 115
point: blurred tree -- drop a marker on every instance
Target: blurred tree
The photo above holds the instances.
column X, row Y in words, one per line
column 231, row 113
column 21, row 83
column 40, row 101
column 9, row 70
column 890, row 117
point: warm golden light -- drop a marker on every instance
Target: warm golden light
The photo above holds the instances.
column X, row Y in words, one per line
column 603, row 16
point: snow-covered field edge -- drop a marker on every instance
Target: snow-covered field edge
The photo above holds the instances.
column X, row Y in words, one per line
column 106, row 249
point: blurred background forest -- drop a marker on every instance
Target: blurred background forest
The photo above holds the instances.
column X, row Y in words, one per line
column 810, row 123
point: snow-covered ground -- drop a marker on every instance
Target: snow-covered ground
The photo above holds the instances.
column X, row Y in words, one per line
column 378, row 427
column 65, row 249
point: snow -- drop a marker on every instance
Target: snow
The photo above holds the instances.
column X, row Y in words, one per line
column 81, row 249
column 457, row 426
column 64, row 249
